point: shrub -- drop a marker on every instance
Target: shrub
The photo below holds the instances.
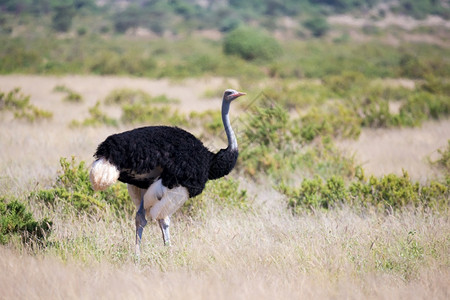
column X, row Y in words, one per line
column 71, row 95
column 210, row 121
column 277, row 145
column 62, row 19
column 105, row 63
column 130, row 96
column 72, row 189
column 267, row 139
column 346, row 83
column 224, row 192
column 127, row 96
column 15, row 220
column 251, row 44
column 388, row 192
column 202, row 63
column 435, row 85
column 97, row 118
column 297, row 95
column 20, row 105
column 375, row 113
column 318, row 25
column 16, row 56
column 444, row 160
column 422, row 106
column 335, row 120
column 151, row 114
column 322, row 158
column 14, row 100
column 316, row 193
column 411, row 66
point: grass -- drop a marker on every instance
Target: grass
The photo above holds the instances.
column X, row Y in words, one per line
column 233, row 254
column 296, row 219
column 238, row 239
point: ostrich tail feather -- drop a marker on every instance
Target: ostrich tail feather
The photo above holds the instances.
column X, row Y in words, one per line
column 103, row 174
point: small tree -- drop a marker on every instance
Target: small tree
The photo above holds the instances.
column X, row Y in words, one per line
column 251, row 44
column 62, row 19
column 318, row 25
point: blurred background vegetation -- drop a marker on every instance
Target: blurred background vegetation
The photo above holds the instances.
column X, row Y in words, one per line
column 251, row 39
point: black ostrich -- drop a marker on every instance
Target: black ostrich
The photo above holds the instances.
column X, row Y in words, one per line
column 163, row 167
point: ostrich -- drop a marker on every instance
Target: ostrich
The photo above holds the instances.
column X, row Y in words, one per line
column 163, row 166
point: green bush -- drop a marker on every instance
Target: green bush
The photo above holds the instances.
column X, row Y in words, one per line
column 345, row 83
column 131, row 17
column 251, row 44
column 130, row 96
column 62, row 18
column 151, row 114
column 423, row 106
column 137, row 108
column 375, row 113
column 72, row 189
column 266, row 139
column 224, row 192
column 127, row 96
column 71, row 95
column 387, row 193
column 316, row 193
column 209, row 120
column 334, row 120
column 97, row 118
column 15, row 220
column 322, row 158
column 435, row 85
column 412, row 66
column 275, row 144
column 318, row 25
column 297, row 95
column 20, row 105
column 14, row 100
column 16, row 56
column 444, row 160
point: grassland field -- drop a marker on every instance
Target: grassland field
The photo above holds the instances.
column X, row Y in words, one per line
column 342, row 186
column 262, row 253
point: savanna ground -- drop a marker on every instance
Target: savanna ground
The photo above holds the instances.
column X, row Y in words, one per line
column 342, row 187
column 261, row 252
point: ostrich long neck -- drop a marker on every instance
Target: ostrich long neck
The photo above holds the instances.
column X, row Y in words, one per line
column 232, row 142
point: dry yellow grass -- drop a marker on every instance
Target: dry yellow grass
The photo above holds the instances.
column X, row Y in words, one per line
column 230, row 255
column 384, row 151
column 266, row 253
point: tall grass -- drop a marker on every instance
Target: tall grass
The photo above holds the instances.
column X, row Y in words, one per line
column 232, row 254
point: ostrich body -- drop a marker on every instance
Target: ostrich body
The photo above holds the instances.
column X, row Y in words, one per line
column 163, row 167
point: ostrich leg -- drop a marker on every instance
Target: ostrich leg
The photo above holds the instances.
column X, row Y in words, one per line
column 164, row 225
column 140, row 224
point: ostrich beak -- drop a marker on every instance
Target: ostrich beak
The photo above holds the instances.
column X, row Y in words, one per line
column 238, row 94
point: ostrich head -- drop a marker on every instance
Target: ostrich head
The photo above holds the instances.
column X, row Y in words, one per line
column 231, row 95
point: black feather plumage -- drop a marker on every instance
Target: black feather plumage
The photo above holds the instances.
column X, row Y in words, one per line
column 176, row 156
